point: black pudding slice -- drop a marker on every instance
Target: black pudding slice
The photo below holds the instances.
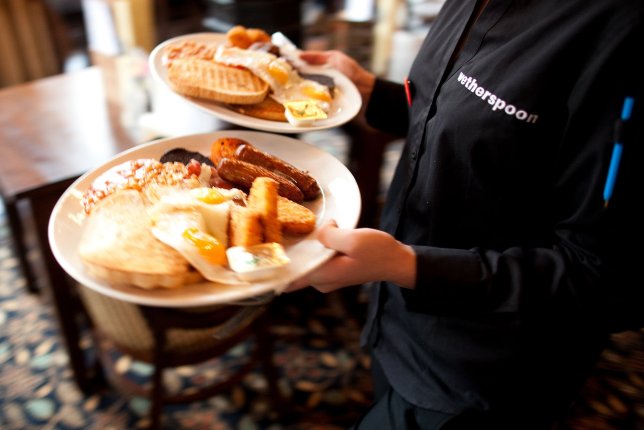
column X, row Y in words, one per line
column 182, row 155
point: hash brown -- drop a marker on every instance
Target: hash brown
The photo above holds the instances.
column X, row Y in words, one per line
column 267, row 109
column 294, row 218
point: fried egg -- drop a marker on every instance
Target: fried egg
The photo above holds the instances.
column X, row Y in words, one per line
column 195, row 223
column 285, row 82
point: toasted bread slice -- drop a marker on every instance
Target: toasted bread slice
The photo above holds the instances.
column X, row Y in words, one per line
column 188, row 49
column 245, row 227
column 118, row 247
column 218, row 82
column 262, row 198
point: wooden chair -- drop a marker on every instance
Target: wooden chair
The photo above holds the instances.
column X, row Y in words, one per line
column 168, row 338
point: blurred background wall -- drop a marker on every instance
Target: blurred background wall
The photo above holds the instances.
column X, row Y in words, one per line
column 40, row 38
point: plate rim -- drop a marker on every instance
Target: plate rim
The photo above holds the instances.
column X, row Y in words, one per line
column 138, row 295
column 220, row 112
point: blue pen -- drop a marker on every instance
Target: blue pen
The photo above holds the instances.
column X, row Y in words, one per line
column 617, row 150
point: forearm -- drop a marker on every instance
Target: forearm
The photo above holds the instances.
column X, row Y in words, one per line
column 365, row 82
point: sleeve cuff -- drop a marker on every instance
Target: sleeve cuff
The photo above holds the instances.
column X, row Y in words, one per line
column 448, row 281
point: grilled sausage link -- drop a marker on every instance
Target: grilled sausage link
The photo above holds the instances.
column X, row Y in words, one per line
column 305, row 182
column 242, row 174
column 224, row 147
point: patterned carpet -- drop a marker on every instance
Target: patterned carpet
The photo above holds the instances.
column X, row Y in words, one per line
column 322, row 372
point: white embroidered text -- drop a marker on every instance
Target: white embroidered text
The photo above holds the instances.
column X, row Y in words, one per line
column 497, row 103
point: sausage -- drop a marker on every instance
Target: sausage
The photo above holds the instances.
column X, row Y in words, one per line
column 225, row 147
column 305, row 182
column 242, row 174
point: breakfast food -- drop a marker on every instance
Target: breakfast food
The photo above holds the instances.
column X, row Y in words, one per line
column 294, row 218
column 303, row 112
column 245, row 227
column 185, row 228
column 207, row 209
column 118, row 247
column 183, row 156
column 261, row 163
column 224, row 147
column 284, row 80
column 188, row 49
column 254, row 263
column 305, row 182
column 244, row 38
column 156, row 224
column 262, row 198
column 214, row 81
column 248, row 74
column 137, row 175
column 267, row 109
column 243, row 174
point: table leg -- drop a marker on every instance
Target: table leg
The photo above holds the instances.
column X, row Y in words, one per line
column 17, row 237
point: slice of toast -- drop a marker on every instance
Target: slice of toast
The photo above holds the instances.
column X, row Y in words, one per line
column 118, row 247
column 245, row 227
column 188, row 49
column 262, row 197
column 213, row 81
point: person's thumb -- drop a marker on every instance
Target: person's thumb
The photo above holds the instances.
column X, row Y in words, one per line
column 331, row 236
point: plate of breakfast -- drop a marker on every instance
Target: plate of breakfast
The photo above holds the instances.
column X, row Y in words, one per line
column 255, row 80
column 202, row 219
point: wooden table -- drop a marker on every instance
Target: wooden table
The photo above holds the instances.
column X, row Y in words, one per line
column 51, row 131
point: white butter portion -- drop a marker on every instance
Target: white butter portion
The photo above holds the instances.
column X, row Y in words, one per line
column 303, row 112
column 258, row 262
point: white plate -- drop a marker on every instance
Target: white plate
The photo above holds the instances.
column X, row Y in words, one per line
column 345, row 106
column 340, row 201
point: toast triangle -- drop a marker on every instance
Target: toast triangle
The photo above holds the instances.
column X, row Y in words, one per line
column 118, row 247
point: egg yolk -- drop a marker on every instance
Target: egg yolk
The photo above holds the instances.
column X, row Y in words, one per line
column 208, row 195
column 279, row 72
column 317, row 93
column 208, row 246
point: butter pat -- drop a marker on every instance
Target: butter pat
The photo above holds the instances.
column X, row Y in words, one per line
column 303, row 112
column 258, row 262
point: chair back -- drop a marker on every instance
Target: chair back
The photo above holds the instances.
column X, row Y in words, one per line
column 172, row 337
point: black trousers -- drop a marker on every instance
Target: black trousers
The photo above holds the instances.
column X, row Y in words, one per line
column 391, row 412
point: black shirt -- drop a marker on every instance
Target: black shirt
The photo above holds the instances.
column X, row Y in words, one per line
column 521, row 269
